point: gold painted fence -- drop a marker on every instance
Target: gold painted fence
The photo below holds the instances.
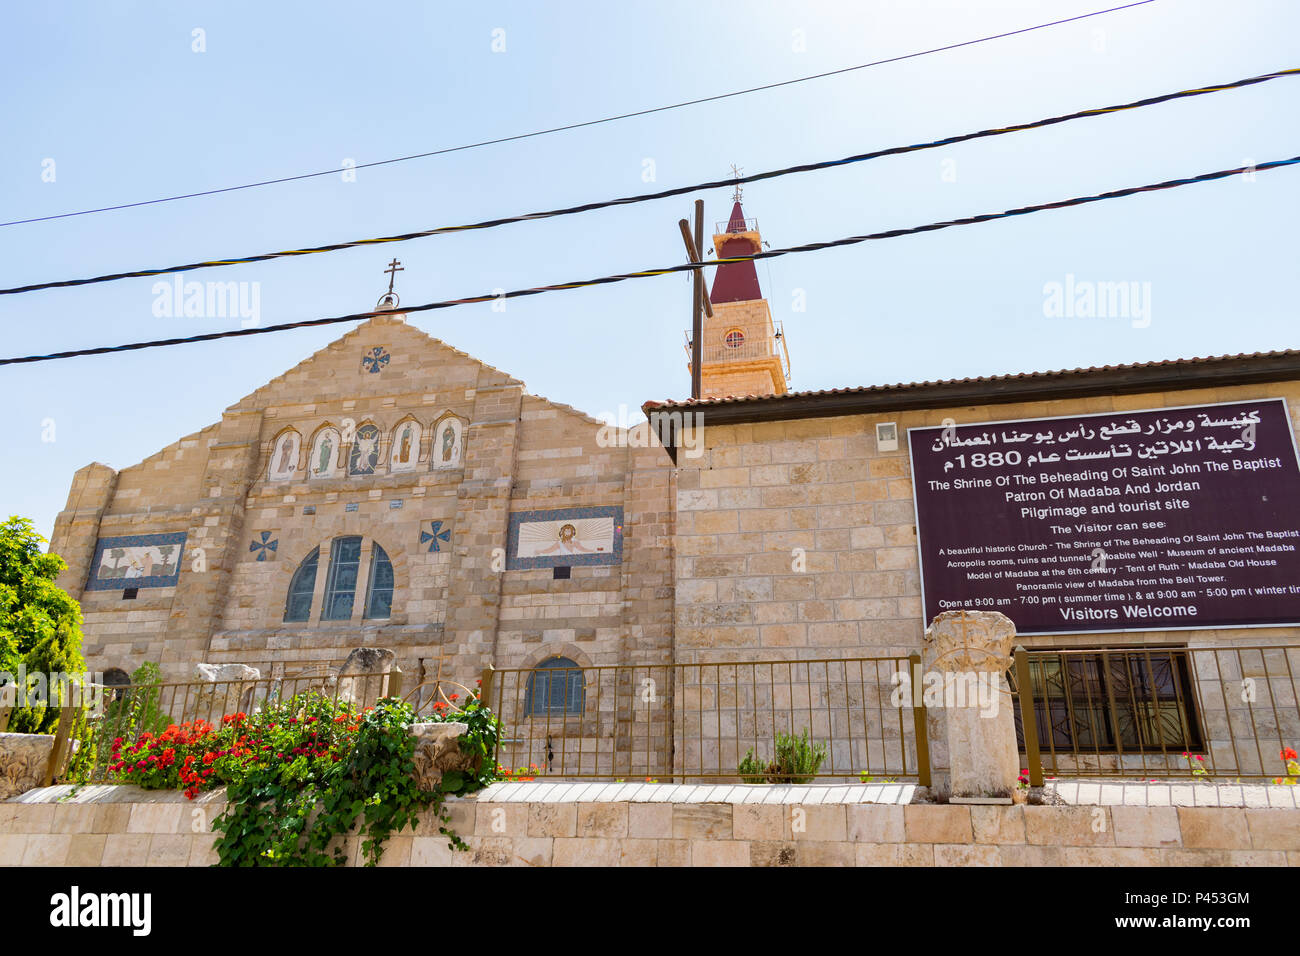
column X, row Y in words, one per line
column 675, row 722
column 1159, row 712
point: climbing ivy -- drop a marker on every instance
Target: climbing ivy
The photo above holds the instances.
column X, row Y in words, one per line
column 296, row 806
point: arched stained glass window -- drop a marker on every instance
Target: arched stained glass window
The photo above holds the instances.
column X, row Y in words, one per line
column 379, row 590
column 298, row 605
column 734, row 339
column 341, row 585
column 555, row 689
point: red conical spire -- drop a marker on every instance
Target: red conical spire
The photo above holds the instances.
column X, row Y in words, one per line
column 736, row 281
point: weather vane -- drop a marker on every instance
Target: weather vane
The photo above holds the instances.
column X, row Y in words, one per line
column 736, row 170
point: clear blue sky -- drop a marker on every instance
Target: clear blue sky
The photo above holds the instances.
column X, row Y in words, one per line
column 113, row 93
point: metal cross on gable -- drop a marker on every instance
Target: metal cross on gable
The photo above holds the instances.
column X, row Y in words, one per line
column 394, row 267
column 736, row 171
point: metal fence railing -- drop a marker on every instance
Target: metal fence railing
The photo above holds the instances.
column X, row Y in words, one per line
column 1159, row 712
column 678, row 722
column 1143, row 712
column 130, row 710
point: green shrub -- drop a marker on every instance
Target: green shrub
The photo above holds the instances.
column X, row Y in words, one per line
column 40, row 624
column 301, row 774
column 752, row 769
column 796, row 760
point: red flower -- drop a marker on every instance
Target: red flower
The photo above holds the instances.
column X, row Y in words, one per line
column 1288, row 754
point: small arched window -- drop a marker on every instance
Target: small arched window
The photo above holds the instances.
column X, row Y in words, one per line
column 554, row 689
column 379, row 589
column 298, row 605
column 734, row 339
column 113, row 679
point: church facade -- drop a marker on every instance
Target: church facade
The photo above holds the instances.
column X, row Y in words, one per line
column 388, row 491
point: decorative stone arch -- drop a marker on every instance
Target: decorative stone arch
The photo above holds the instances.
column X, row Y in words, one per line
column 287, row 567
column 286, row 455
column 547, row 651
column 336, row 450
column 440, row 447
column 396, row 445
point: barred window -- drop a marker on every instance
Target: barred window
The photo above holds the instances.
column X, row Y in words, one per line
column 554, row 688
column 1135, row 701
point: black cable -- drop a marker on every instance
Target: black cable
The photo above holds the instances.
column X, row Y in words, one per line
column 662, row 194
column 572, row 126
column 646, row 273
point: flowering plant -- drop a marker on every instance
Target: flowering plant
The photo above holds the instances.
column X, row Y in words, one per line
column 198, row 756
column 1196, row 762
column 161, row 761
column 1288, row 757
column 304, row 773
column 301, row 773
column 522, row 775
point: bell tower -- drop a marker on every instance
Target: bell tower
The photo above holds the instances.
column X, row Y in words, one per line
column 743, row 351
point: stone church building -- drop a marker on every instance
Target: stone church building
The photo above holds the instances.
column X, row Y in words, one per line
column 391, row 491
column 388, row 491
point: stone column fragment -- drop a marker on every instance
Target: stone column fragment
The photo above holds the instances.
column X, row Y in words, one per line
column 971, row 652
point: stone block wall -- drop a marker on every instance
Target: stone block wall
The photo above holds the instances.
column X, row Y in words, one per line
column 541, row 824
column 797, row 538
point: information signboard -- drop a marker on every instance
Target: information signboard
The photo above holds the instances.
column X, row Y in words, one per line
column 1184, row 517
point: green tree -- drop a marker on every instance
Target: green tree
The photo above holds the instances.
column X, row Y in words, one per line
column 40, row 623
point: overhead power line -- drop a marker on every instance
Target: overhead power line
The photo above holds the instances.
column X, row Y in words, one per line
column 662, row 194
column 647, row 273
column 586, row 123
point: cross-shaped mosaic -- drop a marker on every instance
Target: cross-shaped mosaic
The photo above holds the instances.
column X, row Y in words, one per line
column 263, row 546
column 438, row 535
column 375, row 359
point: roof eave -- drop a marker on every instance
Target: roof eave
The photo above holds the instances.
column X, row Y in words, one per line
column 1182, row 375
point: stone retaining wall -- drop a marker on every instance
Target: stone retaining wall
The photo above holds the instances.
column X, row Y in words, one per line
column 539, row 824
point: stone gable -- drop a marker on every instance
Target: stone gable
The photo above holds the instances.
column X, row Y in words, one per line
column 397, row 458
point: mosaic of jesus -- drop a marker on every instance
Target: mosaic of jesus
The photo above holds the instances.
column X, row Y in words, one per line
column 541, row 539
